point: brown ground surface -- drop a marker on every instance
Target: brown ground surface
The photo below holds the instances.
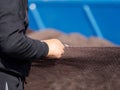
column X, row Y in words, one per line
column 93, row 64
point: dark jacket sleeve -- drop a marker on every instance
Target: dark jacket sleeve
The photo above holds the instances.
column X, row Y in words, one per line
column 13, row 41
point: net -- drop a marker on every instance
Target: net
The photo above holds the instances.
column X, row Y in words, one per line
column 80, row 68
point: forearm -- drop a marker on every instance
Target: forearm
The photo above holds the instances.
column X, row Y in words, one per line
column 20, row 46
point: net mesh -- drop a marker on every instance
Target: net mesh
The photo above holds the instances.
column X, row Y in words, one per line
column 80, row 68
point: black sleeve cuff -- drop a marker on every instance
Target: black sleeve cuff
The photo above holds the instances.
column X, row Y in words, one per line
column 46, row 49
column 43, row 50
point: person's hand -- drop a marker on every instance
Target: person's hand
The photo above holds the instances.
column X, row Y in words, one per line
column 56, row 48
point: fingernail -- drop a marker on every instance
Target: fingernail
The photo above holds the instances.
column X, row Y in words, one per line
column 66, row 45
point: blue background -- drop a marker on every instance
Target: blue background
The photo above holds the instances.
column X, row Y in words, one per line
column 100, row 18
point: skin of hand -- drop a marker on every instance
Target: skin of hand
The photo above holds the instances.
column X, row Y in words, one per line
column 56, row 48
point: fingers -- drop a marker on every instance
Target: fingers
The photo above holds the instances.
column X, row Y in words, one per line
column 56, row 48
column 60, row 54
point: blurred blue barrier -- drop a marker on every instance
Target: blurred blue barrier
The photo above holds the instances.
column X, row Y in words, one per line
column 99, row 18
